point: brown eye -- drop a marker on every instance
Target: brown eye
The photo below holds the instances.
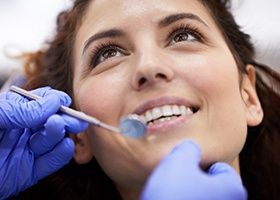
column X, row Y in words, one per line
column 109, row 53
column 185, row 33
column 105, row 51
column 182, row 37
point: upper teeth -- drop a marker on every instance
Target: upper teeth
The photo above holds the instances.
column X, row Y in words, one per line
column 165, row 111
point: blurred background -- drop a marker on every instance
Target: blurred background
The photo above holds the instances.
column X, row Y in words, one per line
column 27, row 24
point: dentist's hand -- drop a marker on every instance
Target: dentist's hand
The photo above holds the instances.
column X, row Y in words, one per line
column 32, row 142
column 179, row 177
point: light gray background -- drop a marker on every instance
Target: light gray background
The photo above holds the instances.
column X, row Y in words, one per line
column 26, row 24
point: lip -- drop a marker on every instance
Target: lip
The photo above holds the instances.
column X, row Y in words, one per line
column 166, row 125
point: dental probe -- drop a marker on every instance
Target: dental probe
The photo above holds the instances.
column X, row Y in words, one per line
column 130, row 126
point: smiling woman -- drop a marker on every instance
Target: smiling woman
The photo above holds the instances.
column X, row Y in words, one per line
column 185, row 68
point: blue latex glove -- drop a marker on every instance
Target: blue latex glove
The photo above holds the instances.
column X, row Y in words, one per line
column 32, row 142
column 179, row 177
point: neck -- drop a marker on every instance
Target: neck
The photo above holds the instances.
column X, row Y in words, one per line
column 131, row 192
column 235, row 165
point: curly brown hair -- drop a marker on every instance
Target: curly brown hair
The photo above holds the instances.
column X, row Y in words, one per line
column 259, row 159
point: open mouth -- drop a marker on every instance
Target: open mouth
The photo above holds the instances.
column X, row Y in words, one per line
column 166, row 113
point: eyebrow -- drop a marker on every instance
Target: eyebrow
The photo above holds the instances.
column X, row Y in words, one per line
column 111, row 33
column 176, row 17
column 116, row 33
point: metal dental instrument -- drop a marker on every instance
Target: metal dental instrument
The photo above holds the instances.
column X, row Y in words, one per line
column 131, row 126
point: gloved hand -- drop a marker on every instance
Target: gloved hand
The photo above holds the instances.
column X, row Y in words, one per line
column 179, row 177
column 32, row 142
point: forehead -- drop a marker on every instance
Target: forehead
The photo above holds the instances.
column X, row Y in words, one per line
column 116, row 12
column 136, row 16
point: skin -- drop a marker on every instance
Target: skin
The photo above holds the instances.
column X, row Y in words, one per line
column 152, row 69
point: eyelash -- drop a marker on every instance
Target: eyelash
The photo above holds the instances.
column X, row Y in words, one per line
column 100, row 49
column 183, row 28
column 189, row 29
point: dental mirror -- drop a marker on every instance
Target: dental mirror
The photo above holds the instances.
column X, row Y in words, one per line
column 131, row 125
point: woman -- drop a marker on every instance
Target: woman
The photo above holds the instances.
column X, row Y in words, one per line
column 186, row 68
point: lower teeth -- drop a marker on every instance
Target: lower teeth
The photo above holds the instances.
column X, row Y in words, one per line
column 164, row 119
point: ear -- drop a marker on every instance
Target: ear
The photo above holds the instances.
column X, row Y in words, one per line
column 253, row 108
column 82, row 153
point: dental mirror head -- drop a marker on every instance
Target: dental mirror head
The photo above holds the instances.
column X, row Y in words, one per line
column 132, row 126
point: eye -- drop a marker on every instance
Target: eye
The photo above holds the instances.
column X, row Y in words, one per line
column 185, row 33
column 105, row 52
column 109, row 53
column 181, row 37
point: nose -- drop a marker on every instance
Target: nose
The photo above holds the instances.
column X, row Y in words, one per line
column 151, row 68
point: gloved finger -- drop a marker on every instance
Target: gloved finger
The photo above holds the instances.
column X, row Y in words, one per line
column 12, row 105
column 184, row 158
column 17, row 113
column 12, row 96
column 220, row 168
column 9, row 140
column 224, row 174
column 29, row 114
column 16, row 97
column 55, row 159
column 65, row 100
column 46, row 139
column 11, row 160
column 74, row 125
column 42, row 92
column 177, row 167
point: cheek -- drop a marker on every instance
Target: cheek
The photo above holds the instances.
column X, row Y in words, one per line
column 100, row 96
column 222, row 115
column 215, row 79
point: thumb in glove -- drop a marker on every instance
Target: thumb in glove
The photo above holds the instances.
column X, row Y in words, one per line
column 180, row 177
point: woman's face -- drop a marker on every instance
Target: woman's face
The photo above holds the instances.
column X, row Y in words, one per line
column 164, row 60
